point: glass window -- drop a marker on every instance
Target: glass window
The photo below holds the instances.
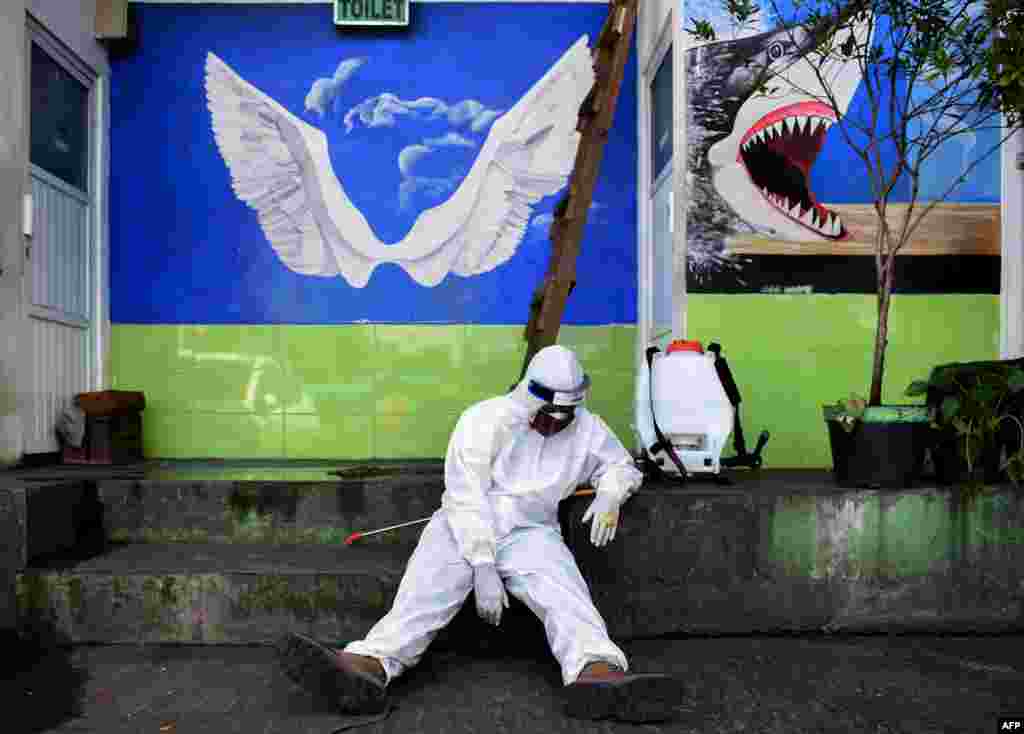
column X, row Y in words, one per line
column 661, row 116
column 59, row 125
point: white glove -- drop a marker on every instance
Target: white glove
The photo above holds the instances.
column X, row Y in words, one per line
column 604, row 513
column 490, row 593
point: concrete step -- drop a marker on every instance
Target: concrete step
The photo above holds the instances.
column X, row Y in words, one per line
column 250, row 511
column 775, row 553
column 226, row 593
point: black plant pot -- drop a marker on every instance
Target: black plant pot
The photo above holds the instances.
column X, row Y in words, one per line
column 951, row 467
column 884, row 450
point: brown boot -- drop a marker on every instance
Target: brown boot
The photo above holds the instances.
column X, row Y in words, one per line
column 603, row 691
column 356, row 684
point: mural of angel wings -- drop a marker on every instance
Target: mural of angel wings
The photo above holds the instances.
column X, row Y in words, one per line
column 281, row 168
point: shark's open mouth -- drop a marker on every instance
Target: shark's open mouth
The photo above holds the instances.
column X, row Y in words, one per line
column 778, row 151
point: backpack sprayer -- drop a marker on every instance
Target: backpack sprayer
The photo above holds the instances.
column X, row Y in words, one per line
column 687, row 403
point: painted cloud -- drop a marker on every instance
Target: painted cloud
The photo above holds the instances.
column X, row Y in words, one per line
column 324, row 91
column 382, row 111
column 434, row 186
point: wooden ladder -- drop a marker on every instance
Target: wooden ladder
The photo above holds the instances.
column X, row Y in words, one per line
column 570, row 217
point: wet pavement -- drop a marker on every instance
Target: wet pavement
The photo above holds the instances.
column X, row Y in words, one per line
column 865, row 684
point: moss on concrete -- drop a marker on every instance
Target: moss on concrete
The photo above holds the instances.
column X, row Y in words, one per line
column 273, row 595
column 212, row 583
column 75, row 596
column 161, row 606
column 259, row 529
column 151, row 608
column 377, row 599
column 33, row 593
column 175, row 535
column 365, row 471
column 326, row 596
column 169, row 591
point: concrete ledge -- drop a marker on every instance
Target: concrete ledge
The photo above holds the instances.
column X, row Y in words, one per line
column 771, row 554
column 727, row 562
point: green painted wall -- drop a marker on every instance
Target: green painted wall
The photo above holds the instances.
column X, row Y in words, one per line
column 387, row 391
column 791, row 354
column 354, row 391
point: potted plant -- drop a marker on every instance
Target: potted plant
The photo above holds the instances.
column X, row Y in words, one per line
column 881, row 446
column 976, row 408
column 931, row 70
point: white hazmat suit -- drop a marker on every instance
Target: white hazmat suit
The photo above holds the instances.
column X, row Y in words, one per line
column 503, row 484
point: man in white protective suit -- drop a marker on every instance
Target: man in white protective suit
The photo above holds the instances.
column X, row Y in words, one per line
column 510, row 461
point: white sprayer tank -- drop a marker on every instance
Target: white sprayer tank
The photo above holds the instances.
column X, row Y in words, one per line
column 691, row 406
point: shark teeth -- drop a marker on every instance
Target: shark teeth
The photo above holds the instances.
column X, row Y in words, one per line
column 835, row 226
column 796, row 125
column 821, row 220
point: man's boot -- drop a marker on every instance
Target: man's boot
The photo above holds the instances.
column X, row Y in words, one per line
column 604, row 691
column 356, row 684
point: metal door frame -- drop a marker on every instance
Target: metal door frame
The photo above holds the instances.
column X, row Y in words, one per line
column 645, row 186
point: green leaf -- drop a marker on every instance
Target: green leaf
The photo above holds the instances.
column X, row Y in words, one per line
column 943, row 379
column 984, row 392
column 917, row 388
column 961, row 426
column 950, row 407
column 1016, row 380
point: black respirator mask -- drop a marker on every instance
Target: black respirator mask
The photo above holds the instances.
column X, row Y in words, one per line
column 551, row 419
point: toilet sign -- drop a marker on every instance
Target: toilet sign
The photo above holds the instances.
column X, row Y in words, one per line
column 371, row 12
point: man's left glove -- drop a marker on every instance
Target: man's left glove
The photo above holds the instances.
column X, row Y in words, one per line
column 490, row 593
column 604, row 515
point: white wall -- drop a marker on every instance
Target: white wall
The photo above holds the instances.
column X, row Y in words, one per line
column 12, row 186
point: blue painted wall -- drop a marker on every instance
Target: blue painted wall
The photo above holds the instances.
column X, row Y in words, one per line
column 185, row 249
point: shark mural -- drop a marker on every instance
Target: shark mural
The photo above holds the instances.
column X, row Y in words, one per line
column 281, row 168
column 759, row 218
column 750, row 153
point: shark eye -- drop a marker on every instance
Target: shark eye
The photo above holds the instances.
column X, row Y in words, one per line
column 775, row 51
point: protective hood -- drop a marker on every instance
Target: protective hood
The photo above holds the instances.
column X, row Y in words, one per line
column 554, row 369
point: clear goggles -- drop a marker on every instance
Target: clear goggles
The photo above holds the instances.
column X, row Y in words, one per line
column 560, row 397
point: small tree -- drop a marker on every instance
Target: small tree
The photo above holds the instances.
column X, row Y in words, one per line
column 937, row 69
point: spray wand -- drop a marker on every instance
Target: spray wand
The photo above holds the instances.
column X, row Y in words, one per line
column 367, row 533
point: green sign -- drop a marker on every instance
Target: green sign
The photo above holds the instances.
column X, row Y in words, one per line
column 371, row 12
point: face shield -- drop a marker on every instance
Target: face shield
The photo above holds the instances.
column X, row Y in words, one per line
column 559, row 408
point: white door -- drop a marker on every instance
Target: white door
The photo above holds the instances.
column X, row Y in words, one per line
column 60, row 251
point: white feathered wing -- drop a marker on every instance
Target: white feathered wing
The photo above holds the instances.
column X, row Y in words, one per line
column 281, row 168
